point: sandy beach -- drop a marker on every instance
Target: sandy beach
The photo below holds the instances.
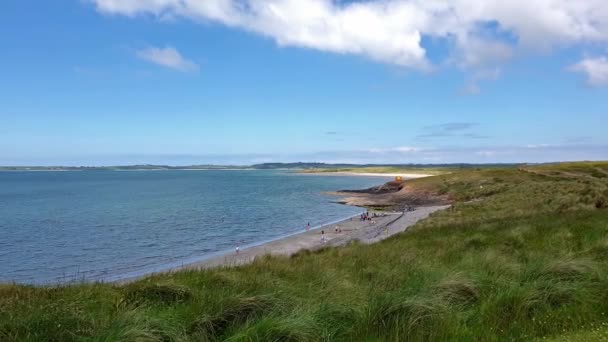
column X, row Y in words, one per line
column 351, row 229
column 369, row 174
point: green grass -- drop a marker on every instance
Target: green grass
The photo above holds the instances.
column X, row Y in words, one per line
column 522, row 255
column 594, row 332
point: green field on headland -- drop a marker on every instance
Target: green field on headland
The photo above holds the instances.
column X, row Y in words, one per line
column 522, row 255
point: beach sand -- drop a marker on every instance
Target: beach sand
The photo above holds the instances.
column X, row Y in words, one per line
column 351, row 229
column 372, row 174
column 368, row 174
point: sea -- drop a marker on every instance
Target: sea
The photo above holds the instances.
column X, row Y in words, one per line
column 61, row 227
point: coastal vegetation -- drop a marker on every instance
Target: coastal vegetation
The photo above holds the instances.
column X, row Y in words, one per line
column 521, row 255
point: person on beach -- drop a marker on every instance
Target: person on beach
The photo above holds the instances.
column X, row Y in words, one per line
column 308, row 226
column 238, row 249
column 323, row 236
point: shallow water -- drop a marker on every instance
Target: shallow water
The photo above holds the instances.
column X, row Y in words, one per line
column 108, row 225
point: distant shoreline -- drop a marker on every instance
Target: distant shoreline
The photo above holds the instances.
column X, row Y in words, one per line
column 248, row 169
column 300, row 172
column 410, row 170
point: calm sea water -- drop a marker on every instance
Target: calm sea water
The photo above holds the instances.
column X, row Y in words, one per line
column 108, row 225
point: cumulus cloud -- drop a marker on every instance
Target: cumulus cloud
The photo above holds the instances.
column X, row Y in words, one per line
column 391, row 31
column 168, row 57
column 596, row 70
column 482, row 53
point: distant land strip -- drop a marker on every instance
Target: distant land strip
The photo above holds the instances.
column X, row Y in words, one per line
column 310, row 167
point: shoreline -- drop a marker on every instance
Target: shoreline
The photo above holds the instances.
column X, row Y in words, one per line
column 351, row 229
column 168, row 266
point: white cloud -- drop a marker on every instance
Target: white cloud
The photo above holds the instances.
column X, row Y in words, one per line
column 391, row 31
column 536, row 146
column 406, row 149
column 483, row 53
column 399, row 149
column 487, row 153
column 133, row 7
column 477, row 76
column 596, row 70
column 471, row 88
column 168, row 57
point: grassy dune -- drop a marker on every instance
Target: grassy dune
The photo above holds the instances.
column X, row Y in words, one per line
column 523, row 255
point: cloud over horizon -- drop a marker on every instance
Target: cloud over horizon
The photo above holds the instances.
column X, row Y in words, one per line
column 532, row 153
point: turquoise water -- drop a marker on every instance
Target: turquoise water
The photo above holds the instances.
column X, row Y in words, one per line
column 109, row 225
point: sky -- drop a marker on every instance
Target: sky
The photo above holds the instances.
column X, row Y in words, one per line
column 180, row 82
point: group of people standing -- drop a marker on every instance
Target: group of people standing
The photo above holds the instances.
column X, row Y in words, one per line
column 367, row 217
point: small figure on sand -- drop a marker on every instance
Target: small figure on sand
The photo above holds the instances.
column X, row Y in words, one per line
column 238, row 248
column 323, row 237
column 308, row 226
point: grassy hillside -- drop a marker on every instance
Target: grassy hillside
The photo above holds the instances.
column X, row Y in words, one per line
column 523, row 255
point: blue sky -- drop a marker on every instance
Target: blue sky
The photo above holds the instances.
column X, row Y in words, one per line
column 99, row 82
